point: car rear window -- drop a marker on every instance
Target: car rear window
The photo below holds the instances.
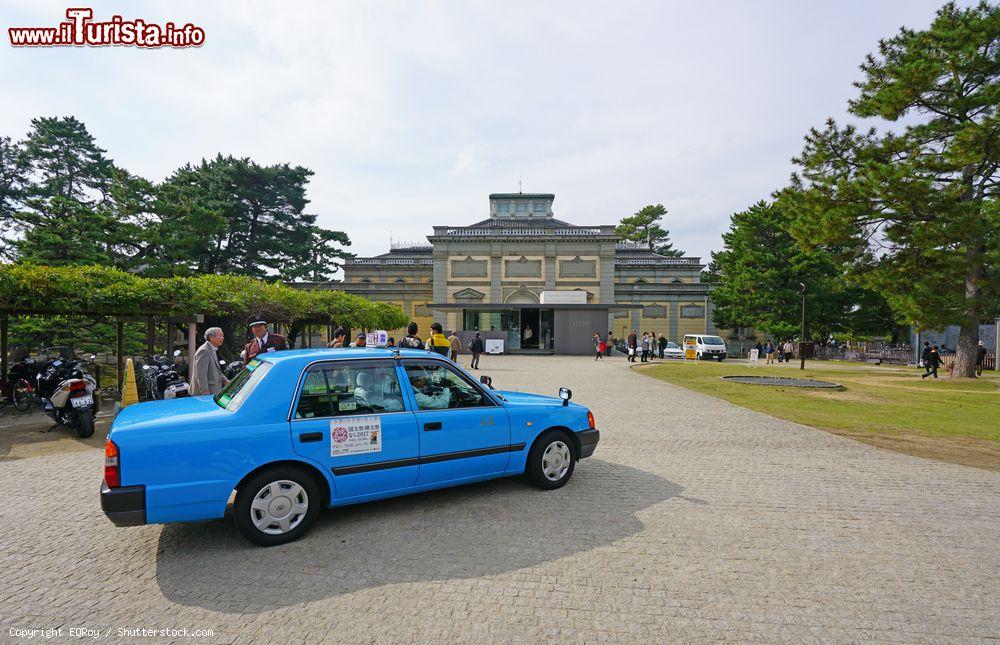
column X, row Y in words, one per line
column 233, row 395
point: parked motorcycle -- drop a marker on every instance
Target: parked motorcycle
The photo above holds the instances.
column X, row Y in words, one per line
column 162, row 379
column 19, row 388
column 67, row 393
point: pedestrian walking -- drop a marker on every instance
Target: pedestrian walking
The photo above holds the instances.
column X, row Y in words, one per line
column 477, row 347
column 411, row 340
column 609, row 344
column 980, row 359
column 789, row 348
column 437, row 342
column 645, row 347
column 932, row 364
column 456, row 345
column 208, row 377
column 662, row 342
column 633, row 346
column 925, row 355
column 599, row 347
column 768, row 352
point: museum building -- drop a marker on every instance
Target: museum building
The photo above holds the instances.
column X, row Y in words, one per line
column 537, row 283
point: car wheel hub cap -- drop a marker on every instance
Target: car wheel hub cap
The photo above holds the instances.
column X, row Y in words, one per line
column 555, row 461
column 279, row 507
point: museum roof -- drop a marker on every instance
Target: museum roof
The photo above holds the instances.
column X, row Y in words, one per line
column 522, row 196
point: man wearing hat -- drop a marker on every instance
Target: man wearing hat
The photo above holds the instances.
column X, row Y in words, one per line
column 262, row 342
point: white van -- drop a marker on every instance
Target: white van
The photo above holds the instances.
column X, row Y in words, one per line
column 707, row 346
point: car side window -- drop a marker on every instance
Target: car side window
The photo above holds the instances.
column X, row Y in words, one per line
column 345, row 389
column 438, row 387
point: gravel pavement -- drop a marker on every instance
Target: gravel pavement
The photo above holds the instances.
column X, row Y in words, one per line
column 695, row 520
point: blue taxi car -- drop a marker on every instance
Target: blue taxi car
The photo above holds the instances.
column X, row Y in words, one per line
column 301, row 430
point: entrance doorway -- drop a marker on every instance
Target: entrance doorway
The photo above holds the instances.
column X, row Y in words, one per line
column 529, row 328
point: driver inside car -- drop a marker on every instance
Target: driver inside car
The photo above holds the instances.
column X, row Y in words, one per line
column 429, row 397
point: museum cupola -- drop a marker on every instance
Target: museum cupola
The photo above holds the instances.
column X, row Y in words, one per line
column 518, row 205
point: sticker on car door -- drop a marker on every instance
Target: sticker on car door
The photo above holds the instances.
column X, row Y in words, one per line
column 355, row 435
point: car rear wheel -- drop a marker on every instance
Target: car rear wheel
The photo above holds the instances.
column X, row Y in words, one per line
column 277, row 505
column 551, row 460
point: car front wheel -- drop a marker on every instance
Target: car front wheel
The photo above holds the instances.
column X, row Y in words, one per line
column 277, row 506
column 551, row 461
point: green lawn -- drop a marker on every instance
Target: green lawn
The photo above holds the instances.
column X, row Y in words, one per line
column 874, row 400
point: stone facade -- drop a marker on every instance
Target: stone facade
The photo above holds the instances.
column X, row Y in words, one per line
column 520, row 250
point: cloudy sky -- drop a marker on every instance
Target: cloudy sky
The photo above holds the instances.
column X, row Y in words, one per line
column 411, row 113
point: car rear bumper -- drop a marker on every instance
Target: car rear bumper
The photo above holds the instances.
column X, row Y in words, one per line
column 588, row 442
column 124, row 506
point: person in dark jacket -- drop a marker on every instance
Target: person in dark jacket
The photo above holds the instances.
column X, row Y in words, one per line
column 925, row 355
column 662, row 342
column 932, row 364
column 980, row 359
column 477, row 347
column 411, row 341
column 632, row 346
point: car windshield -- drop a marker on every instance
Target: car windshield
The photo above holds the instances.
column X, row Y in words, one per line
column 672, row 345
column 713, row 340
column 233, row 395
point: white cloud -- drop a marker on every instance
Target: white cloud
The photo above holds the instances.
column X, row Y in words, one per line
column 410, row 114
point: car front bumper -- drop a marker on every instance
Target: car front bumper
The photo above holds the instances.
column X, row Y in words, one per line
column 588, row 442
column 124, row 506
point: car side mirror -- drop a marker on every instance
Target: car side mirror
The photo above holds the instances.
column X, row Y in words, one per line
column 565, row 394
column 487, row 381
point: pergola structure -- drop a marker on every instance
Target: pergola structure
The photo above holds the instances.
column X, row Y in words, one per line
column 150, row 318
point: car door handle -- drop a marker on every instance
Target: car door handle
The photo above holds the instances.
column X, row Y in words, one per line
column 433, row 425
column 308, row 437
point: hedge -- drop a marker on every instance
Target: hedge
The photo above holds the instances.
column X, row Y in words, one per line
column 105, row 291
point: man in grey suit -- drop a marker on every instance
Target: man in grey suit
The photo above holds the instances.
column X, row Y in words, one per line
column 208, row 377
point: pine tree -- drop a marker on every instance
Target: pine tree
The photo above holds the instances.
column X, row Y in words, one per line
column 915, row 212
column 644, row 228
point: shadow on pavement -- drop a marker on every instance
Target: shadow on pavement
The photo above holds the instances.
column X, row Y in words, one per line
column 29, row 435
column 465, row 532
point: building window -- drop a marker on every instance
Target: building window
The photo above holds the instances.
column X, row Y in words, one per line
column 503, row 208
column 540, row 209
column 677, row 281
column 365, row 280
column 400, row 280
column 521, row 209
column 577, row 268
column 692, row 311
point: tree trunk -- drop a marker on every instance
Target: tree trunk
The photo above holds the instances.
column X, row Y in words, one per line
column 968, row 336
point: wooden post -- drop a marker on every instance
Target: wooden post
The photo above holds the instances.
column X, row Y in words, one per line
column 120, row 353
column 3, row 345
column 150, row 337
column 192, row 334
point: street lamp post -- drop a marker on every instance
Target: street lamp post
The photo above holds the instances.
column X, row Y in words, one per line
column 802, row 341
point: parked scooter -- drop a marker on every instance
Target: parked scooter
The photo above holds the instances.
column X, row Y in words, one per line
column 68, row 395
column 162, row 379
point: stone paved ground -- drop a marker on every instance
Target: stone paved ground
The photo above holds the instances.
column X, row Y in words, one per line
column 695, row 520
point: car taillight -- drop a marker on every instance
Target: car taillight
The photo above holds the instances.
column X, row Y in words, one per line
column 590, row 419
column 77, row 385
column 112, row 472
